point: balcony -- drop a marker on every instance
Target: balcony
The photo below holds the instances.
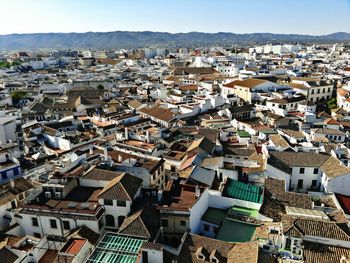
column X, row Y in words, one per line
column 312, row 188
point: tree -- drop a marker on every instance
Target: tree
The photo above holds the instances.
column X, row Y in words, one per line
column 4, row 64
column 17, row 95
column 331, row 104
column 170, row 92
column 99, row 86
column 16, row 63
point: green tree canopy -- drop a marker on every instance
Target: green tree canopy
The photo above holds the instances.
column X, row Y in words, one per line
column 18, row 95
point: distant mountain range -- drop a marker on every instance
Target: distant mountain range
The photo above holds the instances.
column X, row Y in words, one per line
column 128, row 39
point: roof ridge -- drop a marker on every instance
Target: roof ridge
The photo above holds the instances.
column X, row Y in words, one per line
column 112, row 183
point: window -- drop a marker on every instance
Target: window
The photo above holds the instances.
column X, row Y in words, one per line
column 164, row 222
column 144, row 256
column 302, row 170
column 288, row 243
column 108, row 202
column 206, row 227
column 35, row 221
column 300, row 183
column 315, row 170
column 274, row 231
column 100, row 224
column 121, row 203
column 37, row 235
column 183, row 222
column 66, row 225
column 53, row 223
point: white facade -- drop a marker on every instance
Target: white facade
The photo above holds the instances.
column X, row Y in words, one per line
column 7, row 130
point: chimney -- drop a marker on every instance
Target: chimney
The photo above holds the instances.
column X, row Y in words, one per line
column 120, row 158
column 12, row 183
column 198, row 192
column 126, row 134
column 105, row 153
column 147, row 136
column 91, row 150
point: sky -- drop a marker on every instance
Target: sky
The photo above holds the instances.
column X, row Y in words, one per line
column 314, row 17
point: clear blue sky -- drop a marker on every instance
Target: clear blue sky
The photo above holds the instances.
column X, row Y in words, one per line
column 245, row 16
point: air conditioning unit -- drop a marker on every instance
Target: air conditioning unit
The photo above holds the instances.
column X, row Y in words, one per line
column 48, row 194
column 297, row 242
column 58, row 195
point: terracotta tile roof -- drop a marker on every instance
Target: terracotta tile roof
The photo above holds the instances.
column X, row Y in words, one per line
column 144, row 224
column 8, row 255
column 188, row 87
column 159, row 113
column 278, row 140
column 73, row 246
column 298, row 159
column 342, row 92
column 317, row 228
column 123, row 187
column 276, row 198
column 152, row 246
column 331, row 121
column 50, row 256
column 319, row 253
column 244, row 252
column 87, row 233
column 344, row 201
column 334, row 168
column 224, row 251
column 248, row 83
column 6, row 197
column 193, row 70
column 99, row 174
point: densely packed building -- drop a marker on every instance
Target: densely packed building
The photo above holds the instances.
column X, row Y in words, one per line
column 158, row 155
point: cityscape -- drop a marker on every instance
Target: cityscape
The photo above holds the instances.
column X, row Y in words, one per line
column 158, row 132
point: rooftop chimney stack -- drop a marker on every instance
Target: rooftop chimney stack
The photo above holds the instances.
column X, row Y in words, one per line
column 126, row 134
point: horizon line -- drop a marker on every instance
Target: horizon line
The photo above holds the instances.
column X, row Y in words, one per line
column 187, row 32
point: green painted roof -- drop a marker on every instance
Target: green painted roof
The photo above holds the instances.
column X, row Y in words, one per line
column 235, row 231
column 244, row 211
column 243, row 134
column 269, row 131
column 114, row 248
column 243, row 191
column 214, row 215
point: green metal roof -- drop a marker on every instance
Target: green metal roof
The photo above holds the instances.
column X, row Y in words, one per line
column 244, row 211
column 214, row 215
column 114, row 248
column 235, row 231
column 269, row 131
column 243, row 191
column 243, row 134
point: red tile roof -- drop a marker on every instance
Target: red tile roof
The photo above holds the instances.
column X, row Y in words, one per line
column 344, row 201
column 73, row 246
